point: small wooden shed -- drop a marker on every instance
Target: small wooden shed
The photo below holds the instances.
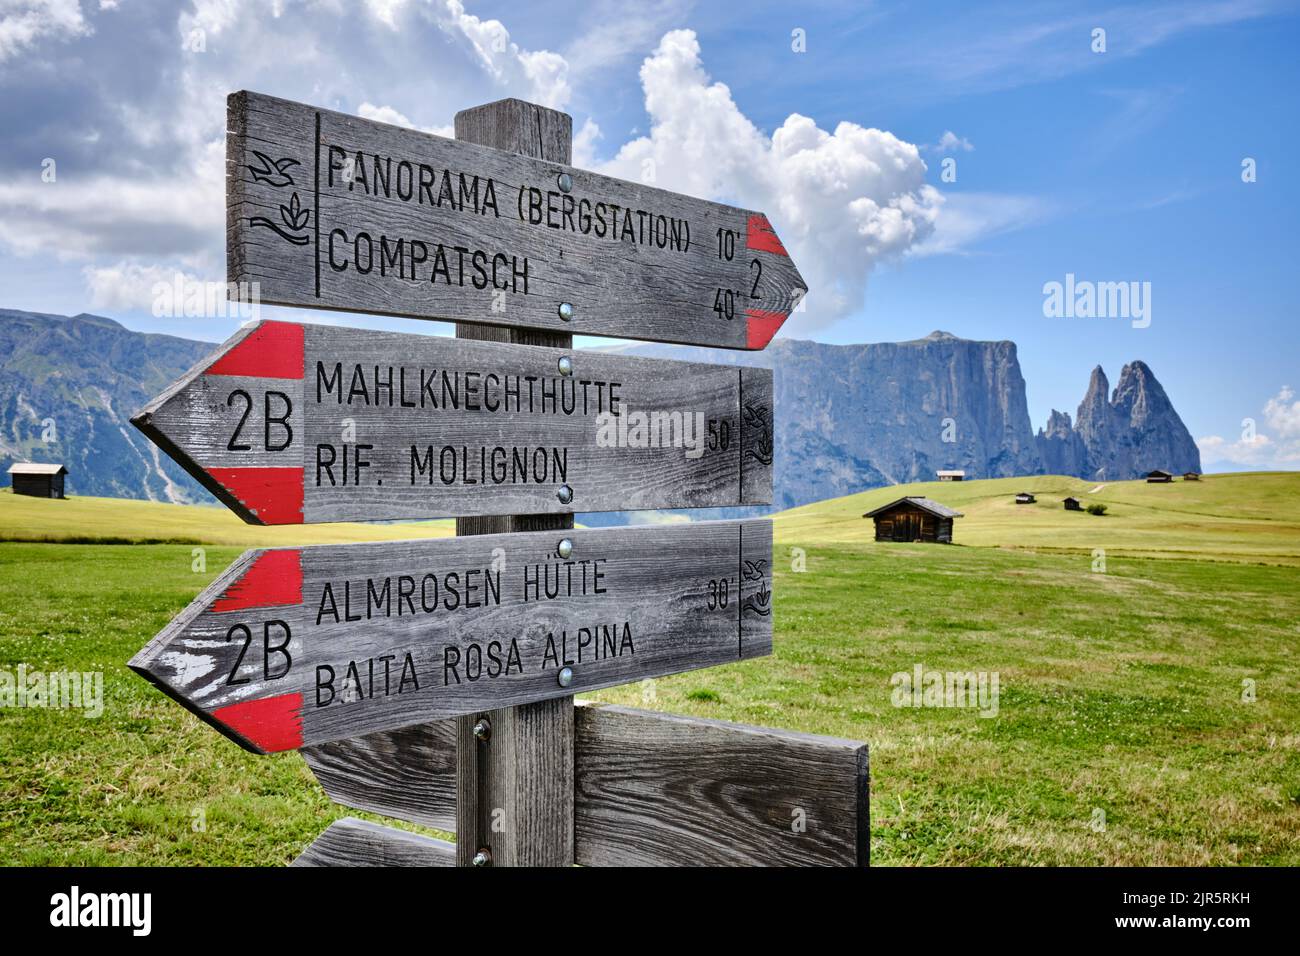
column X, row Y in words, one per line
column 1025, row 498
column 1191, row 476
column 914, row 519
column 37, row 480
column 1159, row 477
column 953, row 474
column 1073, row 504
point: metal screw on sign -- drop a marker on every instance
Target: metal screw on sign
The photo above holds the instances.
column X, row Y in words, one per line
column 483, row 730
column 483, row 857
column 565, row 676
column 565, row 494
column 565, row 548
column 566, row 366
column 565, row 182
column 566, row 311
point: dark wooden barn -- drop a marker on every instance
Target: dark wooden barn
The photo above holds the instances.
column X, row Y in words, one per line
column 39, row 481
column 1073, row 504
column 1159, row 477
column 1192, row 476
column 914, row 519
column 1025, row 498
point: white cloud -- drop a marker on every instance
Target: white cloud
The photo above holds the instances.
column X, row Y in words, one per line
column 1255, row 449
column 1282, row 412
column 386, row 114
column 967, row 218
column 841, row 201
column 24, row 23
column 950, row 142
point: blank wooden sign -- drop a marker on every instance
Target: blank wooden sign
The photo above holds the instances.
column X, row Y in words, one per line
column 331, row 211
column 297, row 646
column 290, row 423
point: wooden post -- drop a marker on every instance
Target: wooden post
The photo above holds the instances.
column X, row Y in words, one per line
column 514, row 792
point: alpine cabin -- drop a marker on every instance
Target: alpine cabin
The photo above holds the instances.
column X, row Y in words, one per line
column 38, row 481
column 955, row 474
column 1025, row 498
column 1159, row 477
column 1073, row 504
column 914, row 519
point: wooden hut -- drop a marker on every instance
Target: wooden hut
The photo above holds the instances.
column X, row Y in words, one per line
column 953, row 474
column 1191, row 476
column 39, row 481
column 914, row 519
column 1025, row 498
column 1073, row 504
column 1159, row 477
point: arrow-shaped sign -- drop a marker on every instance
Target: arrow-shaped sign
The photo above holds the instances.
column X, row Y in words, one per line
column 331, row 211
column 289, row 423
column 299, row 646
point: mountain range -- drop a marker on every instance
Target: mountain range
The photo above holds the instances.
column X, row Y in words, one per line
column 848, row 417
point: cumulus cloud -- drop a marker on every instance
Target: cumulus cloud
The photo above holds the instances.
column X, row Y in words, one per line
column 26, row 23
column 841, row 201
column 1282, row 412
column 1254, row 449
column 141, row 158
column 950, row 142
column 135, row 119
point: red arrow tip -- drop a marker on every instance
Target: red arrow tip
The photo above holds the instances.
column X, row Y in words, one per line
column 270, row 350
column 760, row 235
column 273, row 580
column 270, row 723
column 273, row 495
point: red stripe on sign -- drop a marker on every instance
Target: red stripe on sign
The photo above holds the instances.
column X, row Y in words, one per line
column 273, row 494
column 275, row 579
column 759, row 235
column 272, row 350
column 761, row 326
column 270, row 723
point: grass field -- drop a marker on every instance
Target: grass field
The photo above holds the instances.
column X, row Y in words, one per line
column 1123, row 732
column 79, row 520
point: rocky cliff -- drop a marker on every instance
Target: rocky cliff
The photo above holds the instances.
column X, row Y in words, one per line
column 1121, row 435
column 848, row 417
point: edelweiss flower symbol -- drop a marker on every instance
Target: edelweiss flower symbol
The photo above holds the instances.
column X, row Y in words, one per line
column 293, row 217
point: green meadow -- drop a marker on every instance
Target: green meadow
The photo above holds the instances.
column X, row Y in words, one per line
column 1149, row 683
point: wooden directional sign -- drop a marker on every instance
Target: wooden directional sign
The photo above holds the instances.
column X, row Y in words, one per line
column 331, row 211
column 289, row 423
column 291, row 647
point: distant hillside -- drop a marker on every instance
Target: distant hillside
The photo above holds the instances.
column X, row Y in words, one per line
column 847, row 417
column 77, row 381
column 1249, row 517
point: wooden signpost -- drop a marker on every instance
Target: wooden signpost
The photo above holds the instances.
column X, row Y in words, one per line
column 332, row 211
column 291, row 423
column 432, row 680
column 297, row 646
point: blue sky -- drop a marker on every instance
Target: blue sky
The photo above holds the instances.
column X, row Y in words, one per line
column 1123, row 165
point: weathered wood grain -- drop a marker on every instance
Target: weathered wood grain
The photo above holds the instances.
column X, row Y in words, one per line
column 514, row 789
column 352, row 842
column 379, row 425
column 660, row 789
column 318, row 201
column 297, row 646
column 408, row 773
